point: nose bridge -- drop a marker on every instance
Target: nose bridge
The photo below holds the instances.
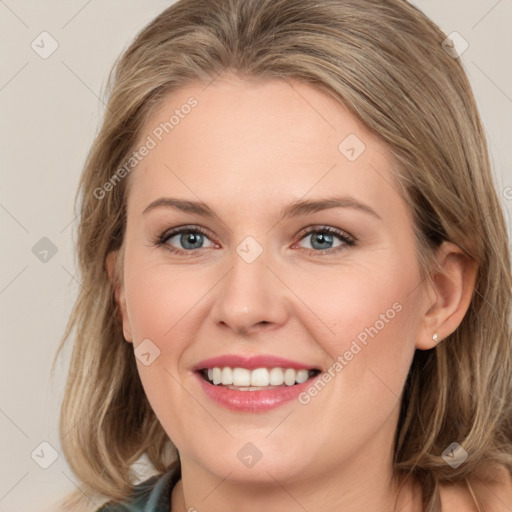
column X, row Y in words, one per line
column 251, row 296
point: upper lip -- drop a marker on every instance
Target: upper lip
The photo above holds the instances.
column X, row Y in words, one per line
column 251, row 362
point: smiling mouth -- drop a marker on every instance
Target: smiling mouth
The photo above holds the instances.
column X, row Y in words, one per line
column 258, row 379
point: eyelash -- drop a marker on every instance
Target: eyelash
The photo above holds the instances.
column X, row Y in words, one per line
column 161, row 240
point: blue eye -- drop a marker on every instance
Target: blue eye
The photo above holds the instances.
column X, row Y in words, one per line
column 191, row 238
column 323, row 238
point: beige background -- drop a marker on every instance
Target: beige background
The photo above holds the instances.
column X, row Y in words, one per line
column 50, row 110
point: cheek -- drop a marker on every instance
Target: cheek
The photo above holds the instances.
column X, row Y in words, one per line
column 372, row 349
column 158, row 298
column 368, row 324
column 159, row 306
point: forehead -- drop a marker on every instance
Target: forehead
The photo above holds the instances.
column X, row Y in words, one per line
column 258, row 142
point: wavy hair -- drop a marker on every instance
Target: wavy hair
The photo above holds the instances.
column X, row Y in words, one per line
column 384, row 61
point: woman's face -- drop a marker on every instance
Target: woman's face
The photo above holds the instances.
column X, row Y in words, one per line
column 253, row 169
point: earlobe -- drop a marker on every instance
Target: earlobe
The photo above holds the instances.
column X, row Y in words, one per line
column 452, row 284
column 116, row 282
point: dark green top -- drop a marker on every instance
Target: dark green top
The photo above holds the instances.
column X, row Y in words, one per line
column 152, row 495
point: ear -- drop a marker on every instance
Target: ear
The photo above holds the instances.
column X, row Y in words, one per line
column 449, row 295
column 115, row 277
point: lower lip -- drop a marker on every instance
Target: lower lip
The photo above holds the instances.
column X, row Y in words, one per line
column 252, row 401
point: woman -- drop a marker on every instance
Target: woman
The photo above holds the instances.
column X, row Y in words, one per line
column 296, row 281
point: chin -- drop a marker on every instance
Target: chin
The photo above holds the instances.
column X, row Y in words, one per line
column 259, row 462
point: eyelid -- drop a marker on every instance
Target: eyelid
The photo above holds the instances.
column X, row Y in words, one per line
column 314, row 228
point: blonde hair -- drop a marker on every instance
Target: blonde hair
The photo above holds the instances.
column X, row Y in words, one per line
column 384, row 61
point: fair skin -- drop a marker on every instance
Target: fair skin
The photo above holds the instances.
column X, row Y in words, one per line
column 495, row 495
column 248, row 150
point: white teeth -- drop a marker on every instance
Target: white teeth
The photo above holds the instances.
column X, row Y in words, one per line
column 217, row 376
column 258, row 378
column 302, row 376
column 276, row 377
column 241, row 377
column 289, row 376
column 227, row 376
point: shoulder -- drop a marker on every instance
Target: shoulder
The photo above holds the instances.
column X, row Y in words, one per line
column 494, row 493
column 152, row 495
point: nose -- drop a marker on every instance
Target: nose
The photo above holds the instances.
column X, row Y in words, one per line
column 251, row 298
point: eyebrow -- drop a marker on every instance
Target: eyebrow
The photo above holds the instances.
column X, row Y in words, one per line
column 294, row 209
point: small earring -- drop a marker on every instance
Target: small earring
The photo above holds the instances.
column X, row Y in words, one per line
column 435, row 336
